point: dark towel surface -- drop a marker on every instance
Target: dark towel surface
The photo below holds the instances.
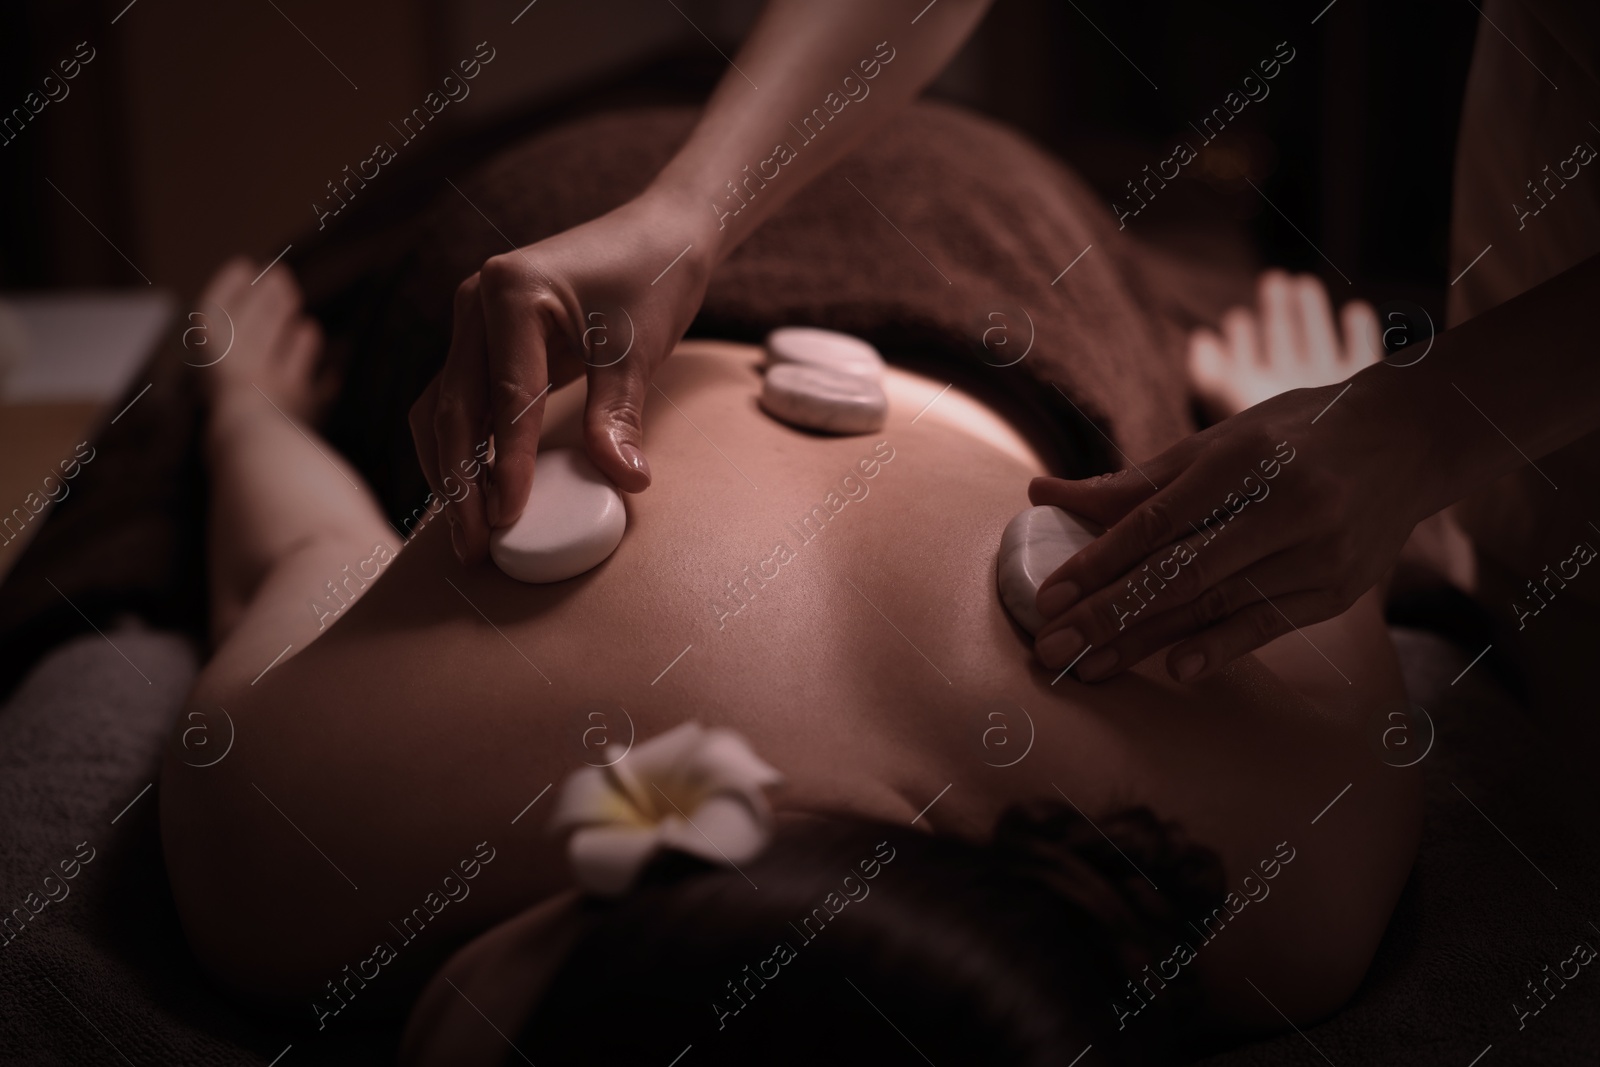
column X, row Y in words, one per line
column 101, row 975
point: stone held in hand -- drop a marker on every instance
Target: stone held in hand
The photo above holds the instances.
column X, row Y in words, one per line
column 816, row 398
column 575, row 518
column 823, row 348
column 1035, row 543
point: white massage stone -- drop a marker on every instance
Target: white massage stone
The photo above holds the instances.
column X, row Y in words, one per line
column 823, row 348
column 573, row 521
column 821, row 399
column 1035, row 543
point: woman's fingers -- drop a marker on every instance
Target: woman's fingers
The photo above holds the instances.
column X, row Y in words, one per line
column 1280, row 320
column 1316, row 327
column 1142, row 511
column 302, row 347
column 1103, row 499
column 1241, row 330
column 1245, row 631
column 1178, row 564
column 613, row 423
column 1273, row 577
column 1363, row 341
column 1211, row 367
column 518, row 312
column 259, row 313
column 1220, row 545
column 460, row 423
column 422, row 432
column 231, row 278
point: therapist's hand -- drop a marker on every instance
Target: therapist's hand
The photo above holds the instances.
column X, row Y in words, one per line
column 604, row 299
column 1252, row 527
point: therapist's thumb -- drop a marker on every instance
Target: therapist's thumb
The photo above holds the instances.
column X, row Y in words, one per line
column 613, row 425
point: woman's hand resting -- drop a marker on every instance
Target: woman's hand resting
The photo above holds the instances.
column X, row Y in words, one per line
column 609, row 299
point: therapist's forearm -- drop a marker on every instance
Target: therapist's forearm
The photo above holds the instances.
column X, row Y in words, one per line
column 1509, row 386
column 814, row 79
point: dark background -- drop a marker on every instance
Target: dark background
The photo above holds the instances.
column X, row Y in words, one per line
column 203, row 129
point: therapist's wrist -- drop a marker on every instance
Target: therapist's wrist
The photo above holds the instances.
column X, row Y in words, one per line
column 1440, row 446
column 688, row 207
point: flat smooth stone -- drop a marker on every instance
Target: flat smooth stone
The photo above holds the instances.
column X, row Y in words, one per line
column 573, row 521
column 823, row 348
column 1036, row 542
column 821, row 399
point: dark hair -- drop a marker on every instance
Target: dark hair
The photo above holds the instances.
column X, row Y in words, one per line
column 1009, row 952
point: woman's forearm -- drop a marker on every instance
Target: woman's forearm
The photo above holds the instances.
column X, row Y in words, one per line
column 1499, row 391
column 290, row 525
column 813, row 80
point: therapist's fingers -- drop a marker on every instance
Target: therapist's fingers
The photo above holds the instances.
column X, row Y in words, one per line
column 460, row 423
column 1098, row 614
column 1273, row 578
column 423, row 437
column 613, row 423
column 519, row 311
column 1144, row 509
column 1104, row 498
column 1175, row 575
column 1223, row 544
column 1247, row 630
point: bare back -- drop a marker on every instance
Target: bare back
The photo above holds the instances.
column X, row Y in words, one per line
column 832, row 599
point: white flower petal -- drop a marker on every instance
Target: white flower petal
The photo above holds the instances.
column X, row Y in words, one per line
column 693, row 789
column 666, row 750
column 606, row 859
column 728, row 763
column 723, row 830
column 587, row 796
column 677, row 771
column 654, row 759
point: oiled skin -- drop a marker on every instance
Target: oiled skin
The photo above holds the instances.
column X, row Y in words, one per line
column 866, row 670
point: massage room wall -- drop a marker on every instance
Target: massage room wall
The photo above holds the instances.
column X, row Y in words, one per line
column 200, row 130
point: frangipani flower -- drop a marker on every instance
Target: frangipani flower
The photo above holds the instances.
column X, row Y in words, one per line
column 691, row 789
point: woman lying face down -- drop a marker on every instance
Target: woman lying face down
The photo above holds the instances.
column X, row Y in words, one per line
column 388, row 799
